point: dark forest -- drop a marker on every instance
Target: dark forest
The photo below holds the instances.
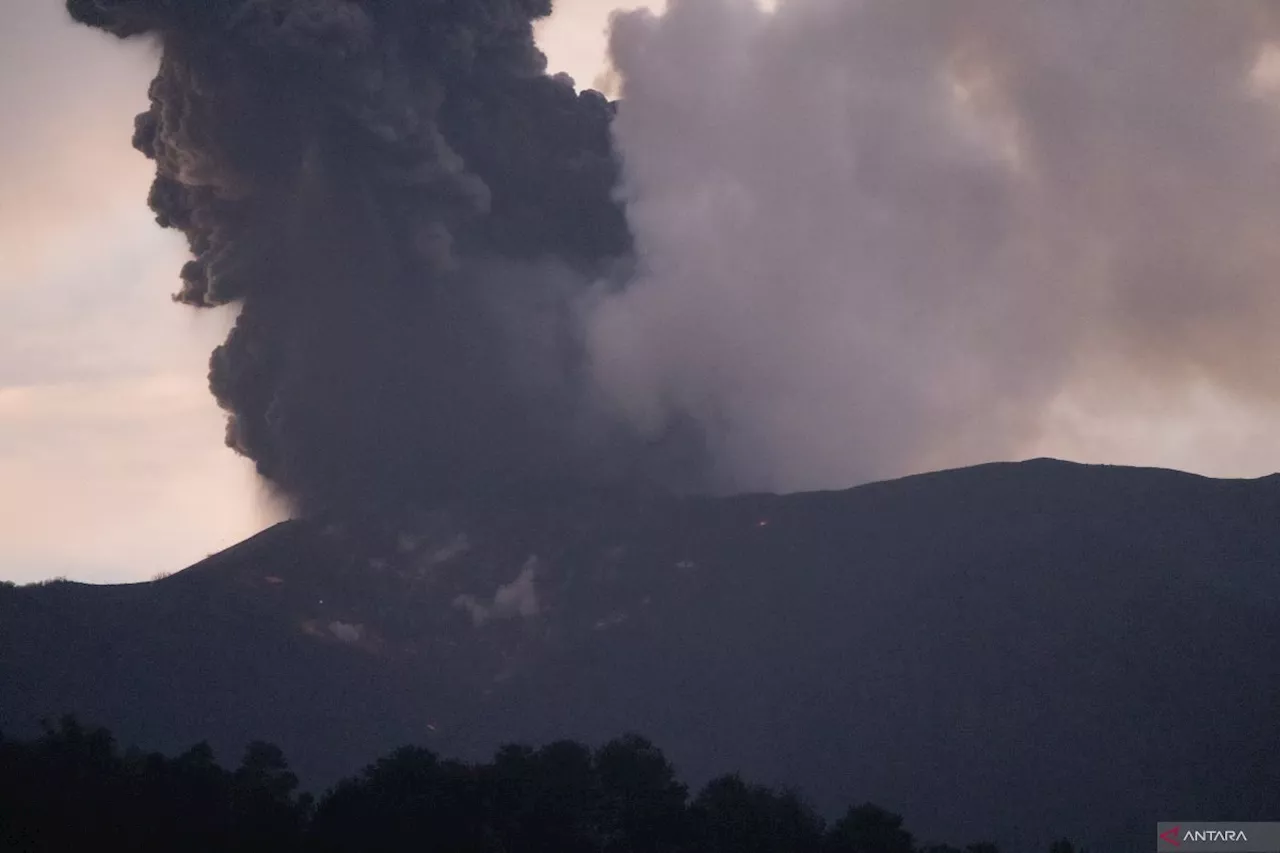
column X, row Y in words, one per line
column 72, row 788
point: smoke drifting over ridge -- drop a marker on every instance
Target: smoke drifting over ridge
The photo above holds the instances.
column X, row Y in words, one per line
column 402, row 203
column 858, row 239
column 878, row 237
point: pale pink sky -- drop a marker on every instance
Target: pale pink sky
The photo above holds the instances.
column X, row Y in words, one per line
column 112, row 466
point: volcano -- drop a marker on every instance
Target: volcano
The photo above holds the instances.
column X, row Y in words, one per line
column 1017, row 651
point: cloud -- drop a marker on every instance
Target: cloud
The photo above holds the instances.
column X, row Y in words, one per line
column 368, row 364
column 882, row 237
column 518, row 598
column 346, row 631
column 1219, row 433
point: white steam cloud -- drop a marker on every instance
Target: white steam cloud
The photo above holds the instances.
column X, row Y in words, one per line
column 516, row 599
column 881, row 236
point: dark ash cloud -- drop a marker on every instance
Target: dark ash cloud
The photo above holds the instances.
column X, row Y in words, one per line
column 856, row 239
column 370, row 181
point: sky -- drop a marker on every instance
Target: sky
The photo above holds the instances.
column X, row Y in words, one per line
column 1030, row 254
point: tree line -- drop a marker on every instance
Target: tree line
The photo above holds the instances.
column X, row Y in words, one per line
column 73, row 789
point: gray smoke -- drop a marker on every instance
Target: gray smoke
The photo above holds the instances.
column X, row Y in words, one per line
column 879, row 236
column 401, row 202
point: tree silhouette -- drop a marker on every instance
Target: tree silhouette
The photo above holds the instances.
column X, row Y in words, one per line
column 70, row 789
column 542, row 799
column 869, row 829
column 1065, row 846
column 402, row 801
column 267, row 813
column 643, row 806
column 734, row 817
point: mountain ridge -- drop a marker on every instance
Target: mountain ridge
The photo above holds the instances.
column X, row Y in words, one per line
column 1008, row 648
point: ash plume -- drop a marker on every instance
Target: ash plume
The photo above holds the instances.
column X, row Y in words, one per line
column 854, row 240
column 402, row 204
column 884, row 236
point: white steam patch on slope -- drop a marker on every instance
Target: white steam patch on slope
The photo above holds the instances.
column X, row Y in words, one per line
column 346, row 632
column 516, row 599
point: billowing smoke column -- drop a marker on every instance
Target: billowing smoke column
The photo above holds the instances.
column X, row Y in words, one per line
column 403, row 205
column 878, row 237
column 860, row 239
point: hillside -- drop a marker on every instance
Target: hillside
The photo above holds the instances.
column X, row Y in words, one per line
column 1023, row 650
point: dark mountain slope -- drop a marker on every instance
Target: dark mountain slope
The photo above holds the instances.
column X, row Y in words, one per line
column 1013, row 650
